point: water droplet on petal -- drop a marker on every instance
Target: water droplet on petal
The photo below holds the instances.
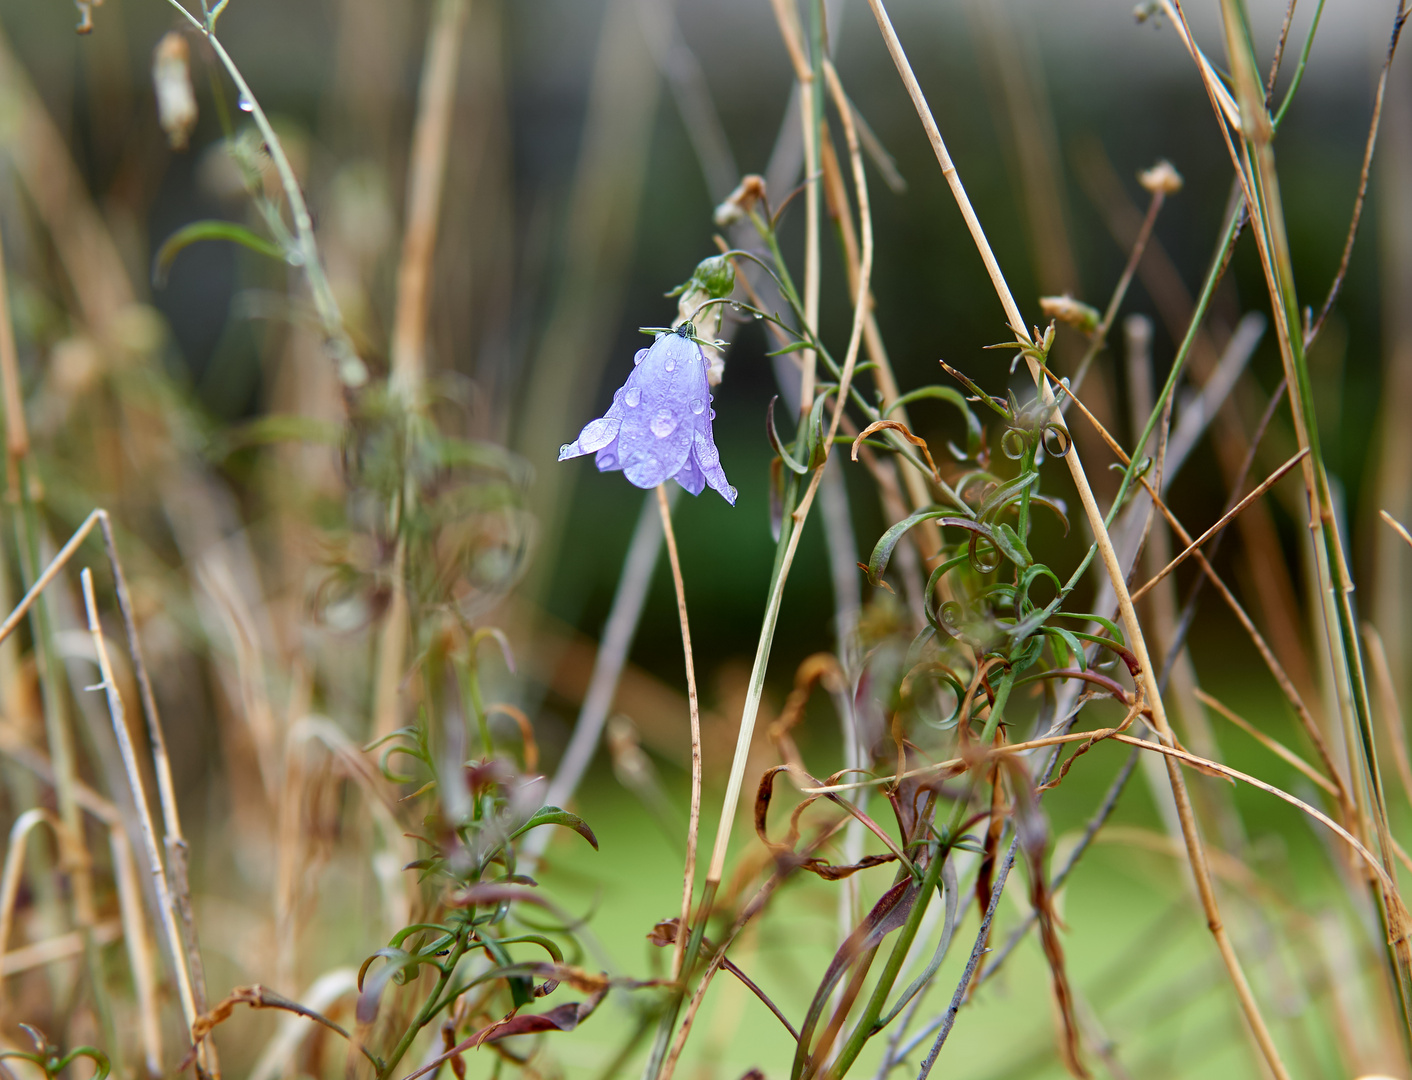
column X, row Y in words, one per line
column 564, row 450
column 710, row 397
column 634, row 395
column 244, row 104
column 671, row 364
column 639, row 356
column 608, row 462
column 663, row 424
column 698, row 406
column 713, row 415
column 733, row 494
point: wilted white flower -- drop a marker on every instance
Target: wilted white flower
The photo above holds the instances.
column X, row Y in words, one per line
column 171, row 77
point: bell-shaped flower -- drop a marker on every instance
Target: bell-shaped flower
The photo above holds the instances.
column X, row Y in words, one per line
column 659, row 425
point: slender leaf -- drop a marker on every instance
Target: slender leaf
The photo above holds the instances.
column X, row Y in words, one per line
column 208, row 230
column 553, row 815
column 777, row 443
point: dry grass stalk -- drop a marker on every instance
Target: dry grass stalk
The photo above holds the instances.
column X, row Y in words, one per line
column 1254, row 163
column 1391, row 710
column 1273, row 745
column 12, row 875
column 748, row 717
column 138, row 787
column 1224, row 520
column 787, row 17
column 141, row 961
column 694, row 826
column 1250, row 1008
column 1267, row 654
column 426, row 174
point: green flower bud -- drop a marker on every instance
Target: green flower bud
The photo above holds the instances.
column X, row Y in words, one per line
column 715, row 276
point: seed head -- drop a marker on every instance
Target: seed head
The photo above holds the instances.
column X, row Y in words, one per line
column 1162, row 177
column 1068, row 310
column 741, row 201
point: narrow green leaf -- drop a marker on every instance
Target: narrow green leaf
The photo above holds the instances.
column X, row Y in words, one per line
column 1006, row 493
column 887, row 543
column 208, row 230
column 1107, row 624
column 995, row 404
column 777, row 443
column 553, row 815
column 1054, row 505
column 1011, row 546
column 793, row 346
column 816, row 429
column 1071, row 643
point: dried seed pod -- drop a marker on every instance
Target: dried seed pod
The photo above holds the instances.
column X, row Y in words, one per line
column 1162, row 177
column 171, row 78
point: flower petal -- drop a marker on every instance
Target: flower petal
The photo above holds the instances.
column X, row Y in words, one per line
column 595, row 435
column 708, row 459
column 658, row 424
column 690, row 476
column 607, row 459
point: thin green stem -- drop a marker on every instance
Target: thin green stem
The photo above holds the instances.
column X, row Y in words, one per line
column 1198, row 316
column 351, row 369
column 430, row 1008
column 1299, row 68
column 470, row 689
column 992, row 724
column 867, row 1025
column 667, row 1023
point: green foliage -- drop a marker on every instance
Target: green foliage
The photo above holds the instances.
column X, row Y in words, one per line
column 54, row 1061
column 198, row 231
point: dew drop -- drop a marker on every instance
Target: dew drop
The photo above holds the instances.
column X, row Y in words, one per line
column 608, row 462
column 564, row 450
column 698, row 406
column 639, row 356
column 758, row 315
column 713, row 414
column 671, row 364
column 634, row 395
column 663, row 424
column 244, row 104
column 733, row 493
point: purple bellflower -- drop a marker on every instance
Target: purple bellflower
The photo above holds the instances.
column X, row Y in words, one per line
column 659, row 425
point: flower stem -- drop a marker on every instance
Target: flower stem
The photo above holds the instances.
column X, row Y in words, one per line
column 694, row 828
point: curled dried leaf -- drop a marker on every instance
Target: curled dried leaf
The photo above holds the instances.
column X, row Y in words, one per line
column 902, row 429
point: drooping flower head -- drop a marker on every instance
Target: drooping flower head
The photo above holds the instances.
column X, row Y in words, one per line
column 659, row 425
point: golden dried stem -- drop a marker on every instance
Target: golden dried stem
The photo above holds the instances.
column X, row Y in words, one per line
column 426, row 175
column 752, row 705
column 139, row 795
column 1196, row 853
column 694, row 827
